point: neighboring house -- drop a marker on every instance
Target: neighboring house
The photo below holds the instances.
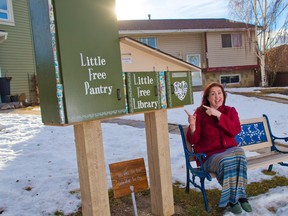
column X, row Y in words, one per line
column 222, row 48
column 16, row 48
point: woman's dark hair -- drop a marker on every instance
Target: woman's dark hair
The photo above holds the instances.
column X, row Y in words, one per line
column 206, row 93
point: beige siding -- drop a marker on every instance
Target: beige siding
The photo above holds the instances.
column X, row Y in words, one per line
column 180, row 45
column 141, row 59
column 225, row 57
column 16, row 53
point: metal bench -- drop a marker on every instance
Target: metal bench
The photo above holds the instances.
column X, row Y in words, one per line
column 255, row 136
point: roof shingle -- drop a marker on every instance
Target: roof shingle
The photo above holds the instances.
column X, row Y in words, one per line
column 176, row 24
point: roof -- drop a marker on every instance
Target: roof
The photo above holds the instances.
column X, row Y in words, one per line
column 180, row 24
column 158, row 54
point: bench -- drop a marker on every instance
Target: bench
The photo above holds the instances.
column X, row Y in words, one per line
column 255, row 136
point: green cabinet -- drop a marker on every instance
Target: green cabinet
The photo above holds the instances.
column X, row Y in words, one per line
column 77, row 59
column 179, row 88
column 143, row 91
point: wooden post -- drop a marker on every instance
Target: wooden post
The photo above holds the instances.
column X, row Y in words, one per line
column 157, row 136
column 91, row 168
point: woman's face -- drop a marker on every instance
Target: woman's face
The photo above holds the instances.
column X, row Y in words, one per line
column 216, row 97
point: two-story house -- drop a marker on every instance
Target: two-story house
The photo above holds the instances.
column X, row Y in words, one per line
column 222, row 48
column 17, row 60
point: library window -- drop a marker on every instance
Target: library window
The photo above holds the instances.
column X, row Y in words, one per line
column 231, row 40
column 151, row 41
column 6, row 12
column 230, row 79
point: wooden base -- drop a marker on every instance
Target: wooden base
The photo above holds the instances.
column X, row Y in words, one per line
column 158, row 150
column 92, row 172
column 91, row 168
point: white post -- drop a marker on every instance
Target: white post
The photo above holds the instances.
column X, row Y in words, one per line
column 133, row 200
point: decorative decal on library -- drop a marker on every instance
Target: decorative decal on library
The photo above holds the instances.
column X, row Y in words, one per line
column 180, row 89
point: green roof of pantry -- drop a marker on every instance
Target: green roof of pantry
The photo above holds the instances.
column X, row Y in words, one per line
column 180, row 25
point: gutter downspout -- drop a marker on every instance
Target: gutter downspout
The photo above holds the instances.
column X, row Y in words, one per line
column 206, row 50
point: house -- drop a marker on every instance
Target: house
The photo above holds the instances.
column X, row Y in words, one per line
column 221, row 47
column 139, row 57
column 16, row 49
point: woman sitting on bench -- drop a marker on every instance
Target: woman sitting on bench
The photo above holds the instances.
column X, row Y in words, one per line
column 212, row 130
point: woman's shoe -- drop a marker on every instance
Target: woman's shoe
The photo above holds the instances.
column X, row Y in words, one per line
column 245, row 205
column 235, row 208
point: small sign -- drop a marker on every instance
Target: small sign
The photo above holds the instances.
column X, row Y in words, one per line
column 128, row 173
column 143, row 90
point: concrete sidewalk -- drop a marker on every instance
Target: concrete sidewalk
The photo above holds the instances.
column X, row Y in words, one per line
column 173, row 128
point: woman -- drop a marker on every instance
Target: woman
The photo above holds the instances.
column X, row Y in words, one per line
column 212, row 130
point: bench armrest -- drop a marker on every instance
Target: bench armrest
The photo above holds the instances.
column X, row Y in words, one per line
column 198, row 171
column 200, row 157
column 274, row 147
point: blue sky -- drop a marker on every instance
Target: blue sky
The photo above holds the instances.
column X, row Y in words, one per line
column 171, row 9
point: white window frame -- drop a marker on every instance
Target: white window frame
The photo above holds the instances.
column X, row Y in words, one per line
column 196, row 75
column 145, row 41
column 198, row 56
column 10, row 14
column 230, row 75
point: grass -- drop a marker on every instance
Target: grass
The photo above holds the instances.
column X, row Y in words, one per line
column 186, row 203
column 283, row 91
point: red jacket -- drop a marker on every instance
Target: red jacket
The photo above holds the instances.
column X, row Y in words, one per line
column 213, row 135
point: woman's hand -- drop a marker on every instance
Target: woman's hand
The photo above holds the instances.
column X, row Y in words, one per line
column 191, row 121
column 211, row 111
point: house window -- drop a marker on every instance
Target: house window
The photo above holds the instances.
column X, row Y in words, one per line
column 230, row 79
column 231, row 40
column 6, row 12
column 195, row 59
column 151, row 41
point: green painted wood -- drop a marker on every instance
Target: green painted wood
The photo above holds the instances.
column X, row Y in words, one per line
column 179, row 88
column 143, row 91
column 84, row 64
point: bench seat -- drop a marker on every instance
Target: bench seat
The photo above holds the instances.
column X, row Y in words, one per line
column 266, row 159
column 255, row 136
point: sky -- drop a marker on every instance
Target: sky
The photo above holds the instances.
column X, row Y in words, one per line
column 38, row 166
column 171, row 9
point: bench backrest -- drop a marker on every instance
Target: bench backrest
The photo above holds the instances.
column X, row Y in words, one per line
column 255, row 134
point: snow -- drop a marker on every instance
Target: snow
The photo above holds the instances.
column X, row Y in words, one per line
column 38, row 166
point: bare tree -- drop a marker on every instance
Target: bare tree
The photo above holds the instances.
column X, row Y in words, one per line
column 270, row 18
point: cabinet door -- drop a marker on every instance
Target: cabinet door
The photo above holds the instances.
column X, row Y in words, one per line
column 179, row 88
column 143, row 91
column 88, row 53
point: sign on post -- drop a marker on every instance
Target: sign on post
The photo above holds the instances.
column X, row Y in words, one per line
column 144, row 91
column 128, row 173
